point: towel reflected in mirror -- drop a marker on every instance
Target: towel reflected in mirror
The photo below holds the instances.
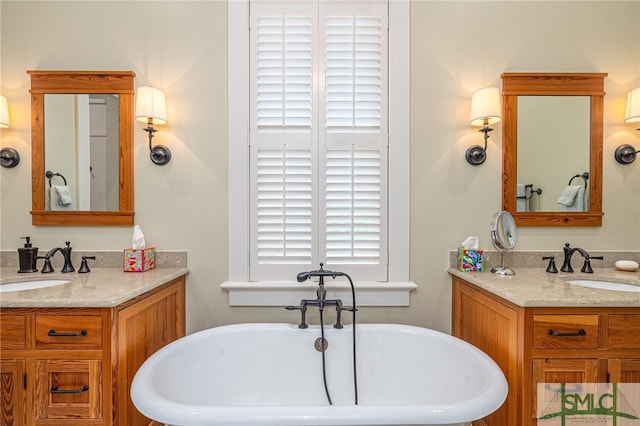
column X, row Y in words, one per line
column 572, row 198
column 522, row 201
column 60, row 197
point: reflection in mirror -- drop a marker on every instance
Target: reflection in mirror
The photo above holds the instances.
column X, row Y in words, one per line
column 81, row 151
column 82, row 144
column 553, row 146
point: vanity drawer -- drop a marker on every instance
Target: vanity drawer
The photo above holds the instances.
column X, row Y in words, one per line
column 565, row 331
column 13, row 332
column 68, row 332
column 68, row 391
column 624, row 331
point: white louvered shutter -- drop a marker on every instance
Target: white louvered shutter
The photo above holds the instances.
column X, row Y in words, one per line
column 318, row 138
column 354, row 138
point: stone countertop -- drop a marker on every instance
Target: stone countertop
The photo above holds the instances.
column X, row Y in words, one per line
column 100, row 288
column 533, row 287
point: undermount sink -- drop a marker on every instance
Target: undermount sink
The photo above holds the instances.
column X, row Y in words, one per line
column 30, row 285
column 606, row 285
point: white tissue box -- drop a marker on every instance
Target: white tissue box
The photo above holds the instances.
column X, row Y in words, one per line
column 139, row 260
column 470, row 260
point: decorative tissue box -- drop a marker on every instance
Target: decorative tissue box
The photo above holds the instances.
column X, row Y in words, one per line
column 139, row 260
column 470, row 260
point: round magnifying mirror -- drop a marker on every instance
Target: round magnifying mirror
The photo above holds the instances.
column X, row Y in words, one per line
column 504, row 237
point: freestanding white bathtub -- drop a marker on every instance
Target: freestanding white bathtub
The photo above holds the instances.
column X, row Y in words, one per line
column 271, row 374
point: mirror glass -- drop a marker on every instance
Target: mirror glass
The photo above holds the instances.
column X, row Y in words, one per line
column 552, row 148
column 503, row 231
column 82, row 147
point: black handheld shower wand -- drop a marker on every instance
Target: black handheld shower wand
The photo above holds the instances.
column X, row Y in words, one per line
column 303, row 276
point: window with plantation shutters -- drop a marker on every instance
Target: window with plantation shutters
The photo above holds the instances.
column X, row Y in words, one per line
column 353, row 207
column 284, row 205
column 318, row 138
column 283, row 72
column 353, row 76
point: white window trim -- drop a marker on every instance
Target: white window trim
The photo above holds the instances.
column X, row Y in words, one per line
column 245, row 293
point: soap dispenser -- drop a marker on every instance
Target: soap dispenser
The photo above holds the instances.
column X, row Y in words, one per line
column 27, row 257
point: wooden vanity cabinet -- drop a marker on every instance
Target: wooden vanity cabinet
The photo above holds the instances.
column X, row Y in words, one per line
column 13, row 404
column 74, row 366
column 546, row 345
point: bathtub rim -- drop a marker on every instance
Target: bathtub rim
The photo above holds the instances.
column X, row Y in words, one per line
column 164, row 410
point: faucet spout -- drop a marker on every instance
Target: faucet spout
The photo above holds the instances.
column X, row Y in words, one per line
column 321, row 300
column 66, row 253
column 568, row 253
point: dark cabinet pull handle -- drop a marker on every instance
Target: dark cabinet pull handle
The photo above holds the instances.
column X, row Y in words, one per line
column 580, row 332
column 561, row 388
column 53, row 333
column 55, row 389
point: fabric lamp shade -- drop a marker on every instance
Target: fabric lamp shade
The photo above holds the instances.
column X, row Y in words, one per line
column 485, row 105
column 151, row 105
column 633, row 106
column 4, row 112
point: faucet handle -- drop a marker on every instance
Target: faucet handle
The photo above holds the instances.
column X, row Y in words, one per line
column 46, row 268
column 303, row 310
column 586, row 268
column 551, row 268
column 84, row 267
column 293, row 308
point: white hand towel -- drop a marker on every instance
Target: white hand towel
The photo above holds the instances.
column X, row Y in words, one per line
column 572, row 198
column 587, row 199
column 578, row 204
column 568, row 194
column 522, row 203
column 60, row 197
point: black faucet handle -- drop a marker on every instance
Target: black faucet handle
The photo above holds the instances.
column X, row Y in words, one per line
column 84, row 267
column 46, row 268
column 303, row 310
column 586, row 268
column 293, row 308
column 551, row 268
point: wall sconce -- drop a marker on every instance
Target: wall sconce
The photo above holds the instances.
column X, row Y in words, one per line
column 151, row 108
column 9, row 157
column 626, row 154
column 485, row 110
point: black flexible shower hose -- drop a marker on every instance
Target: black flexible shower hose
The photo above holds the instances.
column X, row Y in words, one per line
column 355, row 363
column 324, row 368
column 353, row 328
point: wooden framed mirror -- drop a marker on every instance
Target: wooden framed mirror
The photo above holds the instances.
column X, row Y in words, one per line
column 552, row 148
column 67, row 97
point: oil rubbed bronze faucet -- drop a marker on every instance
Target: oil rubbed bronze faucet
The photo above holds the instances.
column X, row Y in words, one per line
column 586, row 267
column 66, row 253
column 321, row 296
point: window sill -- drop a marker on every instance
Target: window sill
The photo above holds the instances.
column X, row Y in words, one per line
column 290, row 293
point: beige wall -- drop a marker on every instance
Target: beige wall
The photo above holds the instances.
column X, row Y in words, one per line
column 457, row 47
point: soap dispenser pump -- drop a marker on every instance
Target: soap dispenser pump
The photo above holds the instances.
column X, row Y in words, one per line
column 27, row 256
